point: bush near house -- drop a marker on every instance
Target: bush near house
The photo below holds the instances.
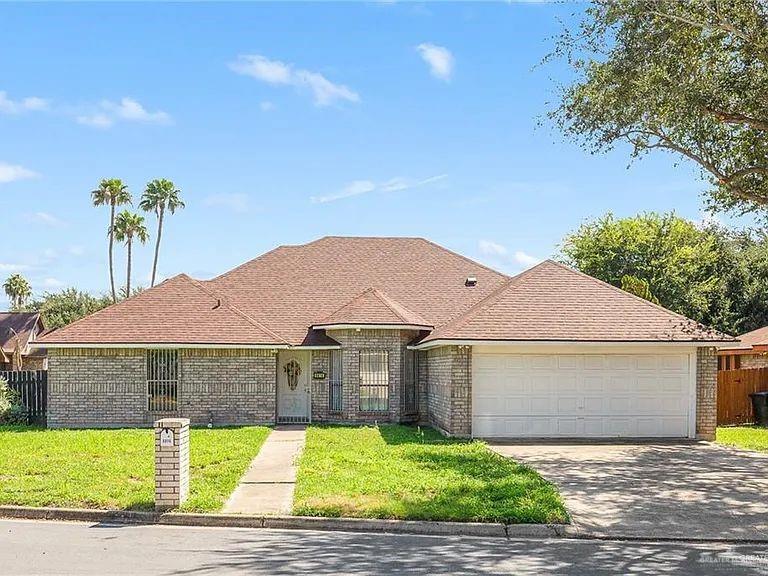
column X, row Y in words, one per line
column 12, row 411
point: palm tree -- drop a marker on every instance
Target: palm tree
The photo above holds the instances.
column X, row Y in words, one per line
column 159, row 196
column 18, row 290
column 129, row 226
column 111, row 192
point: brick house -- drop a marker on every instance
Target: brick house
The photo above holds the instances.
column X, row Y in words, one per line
column 17, row 332
column 389, row 330
column 751, row 351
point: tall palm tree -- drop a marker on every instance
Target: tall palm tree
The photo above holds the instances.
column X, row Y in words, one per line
column 159, row 196
column 111, row 192
column 18, row 290
column 129, row 226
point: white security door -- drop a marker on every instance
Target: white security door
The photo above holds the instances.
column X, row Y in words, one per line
column 293, row 386
column 581, row 395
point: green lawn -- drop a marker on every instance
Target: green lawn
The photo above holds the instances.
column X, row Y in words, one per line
column 403, row 472
column 115, row 468
column 747, row 437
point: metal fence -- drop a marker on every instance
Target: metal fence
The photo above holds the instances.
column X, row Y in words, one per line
column 162, row 380
column 335, row 386
column 32, row 388
column 374, row 381
column 410, row 397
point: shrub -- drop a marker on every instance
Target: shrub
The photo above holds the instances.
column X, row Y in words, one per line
column 12, row 411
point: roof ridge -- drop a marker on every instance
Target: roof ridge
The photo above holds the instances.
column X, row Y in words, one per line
column 247, row 262
column 113, row 305
column 393, row 304
column 465, row 258
column 224, row 301
column 625, row 293
column 487, row 300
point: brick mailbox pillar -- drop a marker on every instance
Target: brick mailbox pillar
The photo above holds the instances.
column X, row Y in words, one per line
column 171, row 462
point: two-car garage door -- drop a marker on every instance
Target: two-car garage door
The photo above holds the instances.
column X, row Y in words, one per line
column 641, row 394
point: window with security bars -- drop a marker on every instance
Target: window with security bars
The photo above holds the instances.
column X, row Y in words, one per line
column 374, row 381
column 410, row 395
column 162, row 380
column 335, row 386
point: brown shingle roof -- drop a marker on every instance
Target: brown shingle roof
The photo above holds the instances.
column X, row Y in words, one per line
column 277, row 298
column 178, row 311
column 551, row 302
column 751, row 339
column 23, row 323
column 294, row 287
column 373, row 307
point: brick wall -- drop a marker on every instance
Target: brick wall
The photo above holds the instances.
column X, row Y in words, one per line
column 96, row 388
column 320, row 363
column 706, row 392
column 228, row 386
column 754, row 360
column 107, row 387
column 449, row 389
column 352, row 342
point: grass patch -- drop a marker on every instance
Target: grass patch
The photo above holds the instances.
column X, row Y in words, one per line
column 748, row 437
column 402, row 472
column 114, row 469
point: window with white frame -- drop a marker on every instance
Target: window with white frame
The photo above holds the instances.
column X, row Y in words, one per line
column 162, row 380
column 374, row 381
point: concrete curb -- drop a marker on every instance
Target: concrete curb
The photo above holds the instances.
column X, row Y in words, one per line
column 494, row 530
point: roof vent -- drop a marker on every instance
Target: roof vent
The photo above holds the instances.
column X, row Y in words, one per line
column 470, row 281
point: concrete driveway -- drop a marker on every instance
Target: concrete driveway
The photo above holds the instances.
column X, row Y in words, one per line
column 659, row 490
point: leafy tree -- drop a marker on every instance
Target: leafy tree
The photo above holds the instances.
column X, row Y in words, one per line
column 127, row 228
column 111, row 192
column 689, row 77
column 61, row 308
column 18, row 290
column 638, row 287
column 159, row 196
column 684, row 266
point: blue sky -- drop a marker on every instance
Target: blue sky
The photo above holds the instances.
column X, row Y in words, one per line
column 284, row 123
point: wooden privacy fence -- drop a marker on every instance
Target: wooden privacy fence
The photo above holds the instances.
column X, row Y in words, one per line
column 734, row 406
column 32, row 386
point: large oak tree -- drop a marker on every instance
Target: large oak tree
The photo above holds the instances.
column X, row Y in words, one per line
column 686, row 76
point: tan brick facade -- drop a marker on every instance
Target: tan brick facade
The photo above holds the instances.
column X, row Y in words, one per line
column 108, row 388
column 352, row 342
column 449, row 389
column 706, row 393
column 754, row 360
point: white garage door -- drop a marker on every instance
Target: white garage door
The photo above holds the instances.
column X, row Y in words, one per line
column 581, row 395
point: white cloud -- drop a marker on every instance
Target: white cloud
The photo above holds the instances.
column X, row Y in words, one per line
column 29, row 104
column 266, row 106
column 490, row 248
column 51, row 283
column 358, row 187
column 14, row 172
column 439, row 59
column 76, row 250
column 46, row 218
column 6, row 267
column 278, row 73
column 236, row 202
column 107, row 113
column 499, row 255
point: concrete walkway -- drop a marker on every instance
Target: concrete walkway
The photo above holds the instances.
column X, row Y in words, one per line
column 659, row 490
column 267, row 486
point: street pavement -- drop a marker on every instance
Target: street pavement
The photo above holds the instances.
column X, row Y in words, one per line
column 39, row 547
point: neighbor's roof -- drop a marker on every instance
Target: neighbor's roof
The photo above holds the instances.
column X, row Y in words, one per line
column 178, row 311
column 23, row 323
column 551, row 302
column 373, row 307
column 755, row 339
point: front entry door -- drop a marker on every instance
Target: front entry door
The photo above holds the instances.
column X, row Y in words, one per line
column 293, row 386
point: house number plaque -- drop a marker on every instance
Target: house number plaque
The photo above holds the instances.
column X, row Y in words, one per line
column 166, row 438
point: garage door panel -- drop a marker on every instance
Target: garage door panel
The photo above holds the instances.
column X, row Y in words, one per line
column 572, row 395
